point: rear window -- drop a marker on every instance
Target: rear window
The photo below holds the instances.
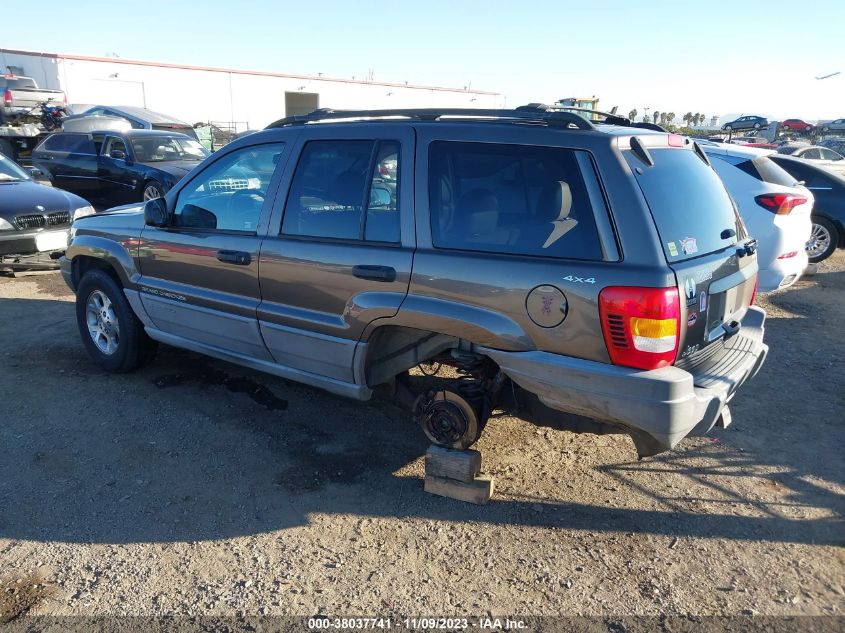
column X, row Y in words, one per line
column 688, row 202
column 513, row 199
column 19, row 83
column 763, row 168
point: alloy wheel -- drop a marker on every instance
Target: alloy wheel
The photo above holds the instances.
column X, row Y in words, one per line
column 819, row 241
column 102, row 322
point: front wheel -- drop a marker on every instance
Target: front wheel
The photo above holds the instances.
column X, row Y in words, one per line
column 728, row 128
column 152, row 190
column 756, row 126
column 825, row 129
column 823, row 240
column 113, row 336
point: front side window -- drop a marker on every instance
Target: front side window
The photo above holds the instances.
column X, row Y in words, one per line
column 115, row 144
column 345, row 190
column 157, row 149
column 230, row 193
column 514, row 199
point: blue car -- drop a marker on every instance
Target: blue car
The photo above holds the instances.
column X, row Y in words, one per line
column 746, row 123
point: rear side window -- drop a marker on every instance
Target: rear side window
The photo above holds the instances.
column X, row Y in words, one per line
column 73, row 143
column 688, row 202
column 514, row 199
column 345, row 190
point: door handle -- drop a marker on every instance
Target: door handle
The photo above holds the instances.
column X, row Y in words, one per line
column 374, row 273
column 234, row 257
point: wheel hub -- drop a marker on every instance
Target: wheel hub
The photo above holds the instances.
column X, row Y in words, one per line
column 447, row 419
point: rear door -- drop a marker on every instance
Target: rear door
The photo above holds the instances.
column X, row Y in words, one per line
column 71, row 162
column 703, row 240
column 340, row 247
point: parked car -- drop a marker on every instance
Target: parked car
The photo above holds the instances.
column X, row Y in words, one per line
column 117, row 167
column 828, row 217
column 22, row 96
column 34, row 219
column 775, row 209
column 568, row 266
column 836, row 144
column 837, row 125
column 796, row 125
column 140, row 118
column 746, row 123
column 821, row 156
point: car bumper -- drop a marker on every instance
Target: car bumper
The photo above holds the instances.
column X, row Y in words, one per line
column 782, row 273
column 30, row 248
column 665, row 405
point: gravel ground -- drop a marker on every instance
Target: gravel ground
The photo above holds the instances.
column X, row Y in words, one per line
column 195, row 487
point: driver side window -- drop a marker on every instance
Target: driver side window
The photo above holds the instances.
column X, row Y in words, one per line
column 228, row 196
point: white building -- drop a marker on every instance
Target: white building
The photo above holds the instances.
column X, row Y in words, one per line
column 243, row 99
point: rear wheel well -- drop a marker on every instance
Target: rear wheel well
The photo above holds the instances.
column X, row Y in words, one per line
column 83, row 263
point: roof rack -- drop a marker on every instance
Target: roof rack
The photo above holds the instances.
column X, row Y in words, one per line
column 523, row 114
column 610, row 118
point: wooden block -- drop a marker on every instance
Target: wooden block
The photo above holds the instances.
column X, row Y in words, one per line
column 477, row 491
column 452, row 464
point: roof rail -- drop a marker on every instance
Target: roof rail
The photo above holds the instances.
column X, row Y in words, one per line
column 611, row 119
column 522, row 114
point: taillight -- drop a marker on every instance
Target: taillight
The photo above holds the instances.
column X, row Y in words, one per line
column 7, row 97
column 780, row 203
column 754, row 293
column 641, row 326
column 788, row 255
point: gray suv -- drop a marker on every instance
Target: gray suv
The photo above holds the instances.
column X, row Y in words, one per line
column 591, row 276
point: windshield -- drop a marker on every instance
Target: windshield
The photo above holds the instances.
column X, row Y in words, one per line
column 154, row 149
column 9, row 171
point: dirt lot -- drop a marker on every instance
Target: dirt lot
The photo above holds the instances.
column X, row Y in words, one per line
column 197, row 487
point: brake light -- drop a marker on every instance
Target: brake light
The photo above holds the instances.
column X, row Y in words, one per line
column 788, row 255
column 641, row 326
column 7, row 97
column 780, row 203
column 754, row 293
column 676, row 140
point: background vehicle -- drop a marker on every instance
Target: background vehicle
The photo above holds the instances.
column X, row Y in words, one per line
column 34, row 219
column 505, row 265
column 746, row 123
column 796, row 125
column 836, row 144
column 828, row 217
column 821, row 156
column 837, row 125
column 776, row 211
column 140, row 118
column 117, row 167
column 22, row 96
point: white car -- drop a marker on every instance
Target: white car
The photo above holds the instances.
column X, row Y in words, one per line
column 821, row 156
column 775, row 209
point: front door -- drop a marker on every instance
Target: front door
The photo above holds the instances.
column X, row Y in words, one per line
column 117, row 182
column 340, row 247
column 199, row 279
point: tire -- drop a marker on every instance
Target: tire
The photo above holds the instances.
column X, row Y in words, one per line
column 756, row 126
column 825, row 129
column 728, row 128
column 823, row 240
column 103, row 313
column 152, row 189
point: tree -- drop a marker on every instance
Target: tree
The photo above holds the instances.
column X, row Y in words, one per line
column 688, row 118
column 670, row 117
column 655, row 115
column 632, row 114
column 696, row 118
column 703, row 119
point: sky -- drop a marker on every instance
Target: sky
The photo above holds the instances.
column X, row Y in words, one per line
column 717, row 57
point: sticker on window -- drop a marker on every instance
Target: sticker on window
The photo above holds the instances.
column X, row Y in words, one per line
column 689, row 246
column 673, row 250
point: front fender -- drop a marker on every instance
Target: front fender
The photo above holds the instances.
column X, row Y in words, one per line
column 120, row 254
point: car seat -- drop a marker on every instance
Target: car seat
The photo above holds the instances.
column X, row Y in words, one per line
column 477, row 219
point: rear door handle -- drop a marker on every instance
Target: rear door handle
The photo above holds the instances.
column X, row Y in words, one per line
column 374, row 273
column 234, row 257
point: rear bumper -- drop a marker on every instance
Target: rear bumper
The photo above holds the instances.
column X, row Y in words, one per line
column 664, row 404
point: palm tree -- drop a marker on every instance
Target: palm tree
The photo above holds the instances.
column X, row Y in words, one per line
column 655, row 115
column 703, row 119
column 632, row 115
column 670, row 117
column 696, row 118
column 688, row 118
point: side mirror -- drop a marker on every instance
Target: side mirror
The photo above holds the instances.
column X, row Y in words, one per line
column 379, row 197
column 36, row 173
column 118, row 154
column 155, row 212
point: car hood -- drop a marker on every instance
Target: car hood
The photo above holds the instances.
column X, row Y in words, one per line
column 177, row 168
column 19, row 198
